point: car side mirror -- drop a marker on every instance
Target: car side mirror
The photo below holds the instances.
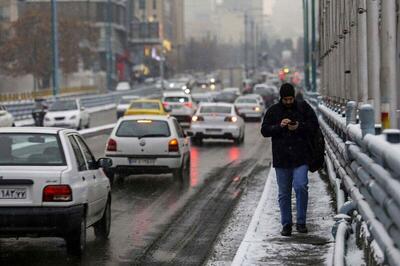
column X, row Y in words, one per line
column 104, row 163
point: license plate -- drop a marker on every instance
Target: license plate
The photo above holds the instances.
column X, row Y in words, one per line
column 12, row 193
column 213, row 129
column 142, row 161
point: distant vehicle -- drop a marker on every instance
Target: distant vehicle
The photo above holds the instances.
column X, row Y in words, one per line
column 123, row 86
column 52, row 185
column 67, row 114
column 217, row 120
column 124, row 103
column 202, row 98
column 234, row 90
column 269, row 93
column 250, row 107
column 149, row 145
column 247, row 86
column 178, row 86
column 181, row 106
column 6, row 118
column 146, row 107
column 226, row 97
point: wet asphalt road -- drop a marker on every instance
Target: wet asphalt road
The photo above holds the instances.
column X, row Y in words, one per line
column 144, row 207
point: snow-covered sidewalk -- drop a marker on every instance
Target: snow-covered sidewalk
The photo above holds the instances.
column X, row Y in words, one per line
column 263, row 244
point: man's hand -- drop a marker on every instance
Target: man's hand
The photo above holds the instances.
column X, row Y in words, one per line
column 293, row 127
column 285, row 122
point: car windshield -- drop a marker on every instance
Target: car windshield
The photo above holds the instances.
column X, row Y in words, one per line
column 31, row 149
column 215, row 109
column 176, row 99
column 143, row 128
column 64, row 106
column 144, row 105
column 246, row 100
column 201, row 99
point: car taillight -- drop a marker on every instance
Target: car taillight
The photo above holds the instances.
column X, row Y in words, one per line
column 111, row 145
column 165, row 104
column 196, row 118
column 57, row 193
column 232, row 119
column 190, row 105
column 173, row 145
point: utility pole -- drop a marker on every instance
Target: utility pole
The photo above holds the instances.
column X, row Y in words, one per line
column 314, row 48
column 245, row 44
column 306, row 43
column 109, row 45
column 54, row 43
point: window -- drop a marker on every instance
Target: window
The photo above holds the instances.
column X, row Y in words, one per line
column 142, row 128
column 80, row 160
column 178, row 129
column 90, row 160
column 216, row 109
column 154, row 4
column 176, row 99
column 144, row 105
column 31, row 149
column 142, row 4
column 64, row 106
column 246, row 100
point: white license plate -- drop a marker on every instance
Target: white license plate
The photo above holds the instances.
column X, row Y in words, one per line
column 142, row 161
column 213, row 130
column 12, row 193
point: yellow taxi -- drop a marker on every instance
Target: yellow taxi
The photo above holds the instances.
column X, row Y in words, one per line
column 146, row 107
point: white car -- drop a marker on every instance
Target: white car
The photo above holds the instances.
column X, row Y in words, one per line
column 67, row 114
column 123, row 86
column 181, row 106
column 249, row 107
column 52, row 185
column 217, row 120
column 149, row 144
column 124, row 104
column 6, row 119
column 234, row 90
column 202, row 98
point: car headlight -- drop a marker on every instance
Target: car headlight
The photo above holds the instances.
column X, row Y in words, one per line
column 72, row 117
column 257, row 109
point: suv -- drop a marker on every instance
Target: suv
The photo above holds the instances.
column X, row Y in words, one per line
column 181, row 106
column 51, row 185
column 148, row 144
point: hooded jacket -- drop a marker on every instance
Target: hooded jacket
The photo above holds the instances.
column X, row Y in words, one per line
column 290, row 149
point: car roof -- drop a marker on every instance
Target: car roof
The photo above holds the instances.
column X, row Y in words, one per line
column 149, row 117
column 175, row 93
column 43, row 130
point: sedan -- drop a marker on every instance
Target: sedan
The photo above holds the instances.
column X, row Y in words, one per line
column 218, row 121
column 67, row 114
column 148, row 144
column 6, row 118
column 52, row 186
column 249, row 107
column 146, row 107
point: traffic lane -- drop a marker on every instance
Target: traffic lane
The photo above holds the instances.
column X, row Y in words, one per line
column 141, row 207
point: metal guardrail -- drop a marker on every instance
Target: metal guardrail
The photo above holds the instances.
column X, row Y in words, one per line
column 364, row 169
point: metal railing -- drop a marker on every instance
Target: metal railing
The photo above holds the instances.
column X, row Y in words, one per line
column 363, row 166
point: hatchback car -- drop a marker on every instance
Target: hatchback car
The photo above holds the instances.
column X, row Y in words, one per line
column 124, row 103
column 148, row 145
column 217, row 120
column 6, row 118
column 181, row 106
column 146, row 107
column 249, row 107
column 67, row 114
column 51, row 185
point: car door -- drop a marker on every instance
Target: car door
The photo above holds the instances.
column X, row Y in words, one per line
column 100, row 182
column 87, row 177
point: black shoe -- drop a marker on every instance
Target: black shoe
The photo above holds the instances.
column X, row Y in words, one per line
column 286, row 230
column 301, row 228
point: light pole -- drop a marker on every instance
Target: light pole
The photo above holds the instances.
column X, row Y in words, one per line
column 109, row 45
column 54, row 44
column 306, row 43
column 314, row 49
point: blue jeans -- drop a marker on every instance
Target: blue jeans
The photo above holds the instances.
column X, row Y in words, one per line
column 298, row 179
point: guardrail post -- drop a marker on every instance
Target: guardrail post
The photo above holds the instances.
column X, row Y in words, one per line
column 367, row 117
column 351, row 112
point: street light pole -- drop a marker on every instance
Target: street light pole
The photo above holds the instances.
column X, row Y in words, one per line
column 306, row 42
column 314, row 48
column 54, row 43
column 109, row 45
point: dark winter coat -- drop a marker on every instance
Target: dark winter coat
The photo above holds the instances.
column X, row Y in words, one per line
column 289, row 148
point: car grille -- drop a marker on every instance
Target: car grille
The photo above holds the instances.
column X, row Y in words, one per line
column 59, row 118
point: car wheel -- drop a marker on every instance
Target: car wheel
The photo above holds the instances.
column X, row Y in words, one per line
column 110, row 173
column 242, row 139
column 13, row 125
column 102, row 227
column 197, row 141
column 76, row 240
column 79, row 125
column 88, row 124
column 178, row 174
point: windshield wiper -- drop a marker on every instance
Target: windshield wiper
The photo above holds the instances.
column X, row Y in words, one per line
column 152, row 136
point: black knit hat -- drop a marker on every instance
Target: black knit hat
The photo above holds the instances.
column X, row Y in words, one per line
column 287, row 90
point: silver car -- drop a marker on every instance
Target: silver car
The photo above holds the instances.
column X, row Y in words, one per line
column 249, row 107
column 217, row 121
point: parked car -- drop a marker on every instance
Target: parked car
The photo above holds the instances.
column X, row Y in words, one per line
column 146, row 106
column 6, row 118
column 249, row 107
column 181, row 106
column 149, row 144
column 124, row 103
column 123, row 86
column 217, row 120
column 67, row 114
column 52, row 185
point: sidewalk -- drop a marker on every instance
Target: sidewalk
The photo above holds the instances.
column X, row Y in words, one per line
column 263, row 244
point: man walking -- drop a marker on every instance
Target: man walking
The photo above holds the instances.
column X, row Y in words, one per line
column 289, row 123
